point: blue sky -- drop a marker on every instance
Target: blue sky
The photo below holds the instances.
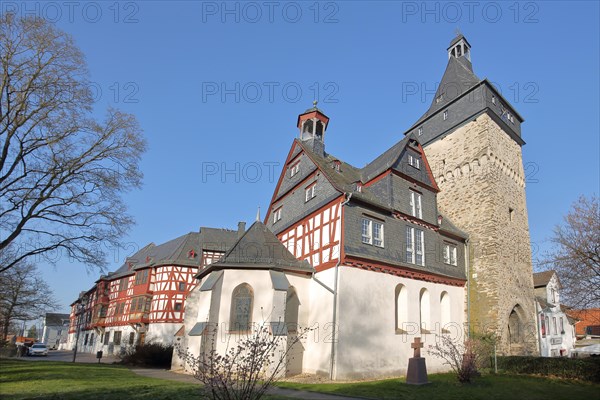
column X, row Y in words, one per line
column 218, row 86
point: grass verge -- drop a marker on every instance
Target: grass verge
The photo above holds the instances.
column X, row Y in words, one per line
column 60, row 380
column 446, row 387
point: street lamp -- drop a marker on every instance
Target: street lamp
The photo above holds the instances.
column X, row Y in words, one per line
column 78, row 313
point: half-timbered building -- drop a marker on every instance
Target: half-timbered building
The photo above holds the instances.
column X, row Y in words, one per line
column 388, row 265
column 145, row 298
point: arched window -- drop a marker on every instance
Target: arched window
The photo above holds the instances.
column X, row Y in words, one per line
column 241, row 308
column 446, row 317
column 401, row 309
column 424, row 311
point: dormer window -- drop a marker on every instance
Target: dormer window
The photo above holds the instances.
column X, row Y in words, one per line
column 336, row 165
column 359, row 186
column 445, row 115
column 439, row 98
column 414, row 161
column 295, row 169
column 493, row 99
column 420, row 131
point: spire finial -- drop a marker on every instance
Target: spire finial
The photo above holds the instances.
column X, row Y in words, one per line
column 457, row 31
column 315, row 103
column 258, row 214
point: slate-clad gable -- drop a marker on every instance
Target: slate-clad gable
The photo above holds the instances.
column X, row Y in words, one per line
column 258, row 248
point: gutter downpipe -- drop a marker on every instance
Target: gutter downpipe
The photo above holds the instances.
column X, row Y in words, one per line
column 335, row 297
column 467, row 260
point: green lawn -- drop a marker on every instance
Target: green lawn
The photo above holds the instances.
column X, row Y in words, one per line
column 61, row 380
column 446, row 387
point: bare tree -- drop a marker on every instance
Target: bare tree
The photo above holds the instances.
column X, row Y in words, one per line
column 462, row 358
column 62, row 172
column 576, row 254
column 24, row 296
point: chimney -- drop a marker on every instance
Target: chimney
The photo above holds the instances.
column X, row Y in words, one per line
column 241, row 229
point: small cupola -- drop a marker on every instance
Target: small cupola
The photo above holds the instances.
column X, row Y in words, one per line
column 459, row 47
column 312, row 124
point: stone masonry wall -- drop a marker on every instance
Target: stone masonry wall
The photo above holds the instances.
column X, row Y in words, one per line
column 479, row 170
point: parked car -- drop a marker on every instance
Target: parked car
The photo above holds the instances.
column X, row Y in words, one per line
column 38, row 349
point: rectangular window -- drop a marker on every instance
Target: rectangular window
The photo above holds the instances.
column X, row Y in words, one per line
column 493, row 99
column 311, row 192
column 123, row 284
column 372, row 232
column 85, row 341
column 554, row 325
column 420, row 131
column 378, row 234
column 445, row 115
column 410, row 252
column 147, row 305
column 419, row 247
column 562, row 326
column 141, row 277
column 366, row 231
column 178, row 306
column 131, row 338
column 414, row 161
column 294, row 169
column 415, row 246
column 106, row 337
column 277, row 215
column 133, row 305
column 450, row 254
column 415, row 204
column 117, row 338
column 543, row 324
column 182, row 286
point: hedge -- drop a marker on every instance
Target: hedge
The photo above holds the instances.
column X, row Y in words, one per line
column 587, row 369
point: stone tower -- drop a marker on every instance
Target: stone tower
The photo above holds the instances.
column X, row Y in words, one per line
column 472, row 138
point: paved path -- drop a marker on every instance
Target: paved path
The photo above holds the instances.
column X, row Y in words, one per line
column 67, row 355
column 295, row 394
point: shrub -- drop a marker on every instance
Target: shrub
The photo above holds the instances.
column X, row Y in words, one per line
column 7, row 349
column 155, row 355
column 462, row 358
column 570, row 368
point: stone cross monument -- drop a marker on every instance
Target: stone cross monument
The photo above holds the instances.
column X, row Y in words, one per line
column 417, row 370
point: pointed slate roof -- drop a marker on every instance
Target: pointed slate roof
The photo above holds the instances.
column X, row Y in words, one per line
column 457, row 80
column 259, row 248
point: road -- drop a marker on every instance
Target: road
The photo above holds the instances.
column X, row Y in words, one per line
column 66, row 355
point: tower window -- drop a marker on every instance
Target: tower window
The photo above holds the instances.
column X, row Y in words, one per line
column 445, row 115
column 511, row 214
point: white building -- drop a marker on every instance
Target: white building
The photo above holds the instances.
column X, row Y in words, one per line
column 556, row 329
column 55, row 329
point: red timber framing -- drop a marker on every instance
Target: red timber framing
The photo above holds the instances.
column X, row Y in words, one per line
column 120, row 293
column 317, row 237
column 170, row 287
column 405, row 272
